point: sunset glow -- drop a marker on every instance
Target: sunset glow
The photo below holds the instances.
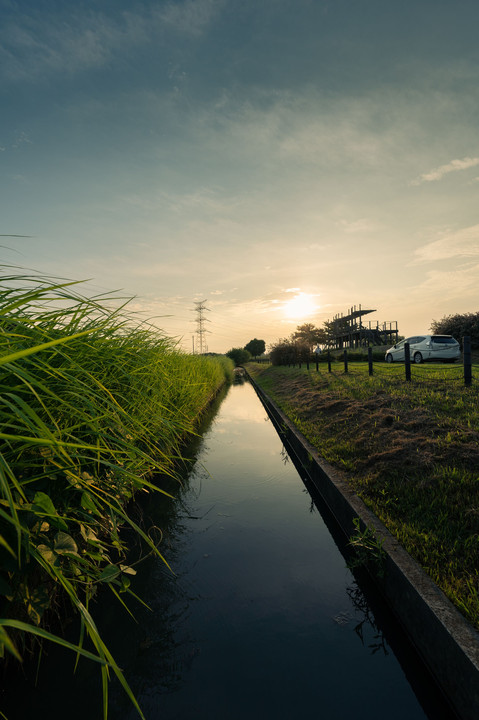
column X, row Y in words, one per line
column 246, row 154
column 300, row 306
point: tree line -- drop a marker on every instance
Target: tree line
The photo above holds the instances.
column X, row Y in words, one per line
column 302, row 341
column 253, row 349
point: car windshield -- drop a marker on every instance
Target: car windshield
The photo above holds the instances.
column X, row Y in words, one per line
column 444, row 339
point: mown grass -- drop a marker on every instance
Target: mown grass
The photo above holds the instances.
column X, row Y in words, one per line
column 410, row 450
column 92, row 403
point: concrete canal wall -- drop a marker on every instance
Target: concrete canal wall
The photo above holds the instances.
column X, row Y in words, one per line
column 447, row 643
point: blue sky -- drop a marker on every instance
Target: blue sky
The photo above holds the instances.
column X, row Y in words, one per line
column 244, row 153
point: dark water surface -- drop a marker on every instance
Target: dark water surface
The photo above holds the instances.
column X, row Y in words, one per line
column 263, row 619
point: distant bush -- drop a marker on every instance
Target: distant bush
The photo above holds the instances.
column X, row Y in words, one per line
column 281, row 354
column 239, row 355
column 288, row 353
column 459, row 326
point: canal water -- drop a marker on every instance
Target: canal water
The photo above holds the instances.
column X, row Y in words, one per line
column 262, row 617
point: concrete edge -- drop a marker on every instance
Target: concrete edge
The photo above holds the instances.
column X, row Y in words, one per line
column 445, row 640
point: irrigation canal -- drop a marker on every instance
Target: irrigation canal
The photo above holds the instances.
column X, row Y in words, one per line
column 263, row 618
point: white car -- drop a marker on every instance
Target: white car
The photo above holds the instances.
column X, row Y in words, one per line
column 426, row 347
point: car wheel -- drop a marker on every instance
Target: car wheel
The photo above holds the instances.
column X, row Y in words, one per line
column 418, row 358
column 389, row 358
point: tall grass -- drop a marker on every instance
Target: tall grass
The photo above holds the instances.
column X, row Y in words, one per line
column 92, row 402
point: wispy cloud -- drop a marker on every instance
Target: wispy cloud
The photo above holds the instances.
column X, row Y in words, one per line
column 32, row 46
column 457, row 285
column 463, row 243
column 362, row 225
column 453, row 166
column 190, row 17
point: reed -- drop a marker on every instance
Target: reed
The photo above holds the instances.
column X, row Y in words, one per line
column 92, row 403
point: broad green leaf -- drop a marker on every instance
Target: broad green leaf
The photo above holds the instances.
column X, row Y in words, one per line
column 47, row 553
column 43, row 502
column 109, row 573
column 128, row 570
column 64, row 544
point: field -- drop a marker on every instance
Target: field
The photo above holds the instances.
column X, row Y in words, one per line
column 409, row 449
column 93, row 403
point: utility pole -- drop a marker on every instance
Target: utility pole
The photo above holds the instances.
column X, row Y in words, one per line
column 200, row 308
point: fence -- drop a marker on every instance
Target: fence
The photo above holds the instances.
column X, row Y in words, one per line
column 466, row 365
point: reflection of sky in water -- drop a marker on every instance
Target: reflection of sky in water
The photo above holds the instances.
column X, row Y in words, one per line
column 271, row 623
column 261, row 618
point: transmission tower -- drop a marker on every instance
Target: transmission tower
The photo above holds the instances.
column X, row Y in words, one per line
column 201, row 331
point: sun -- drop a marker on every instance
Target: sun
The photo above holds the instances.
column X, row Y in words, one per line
column 300, row 306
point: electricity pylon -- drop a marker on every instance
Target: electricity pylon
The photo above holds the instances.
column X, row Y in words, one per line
column 200, row 308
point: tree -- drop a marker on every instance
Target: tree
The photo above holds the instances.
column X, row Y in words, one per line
column 458, row 326
column 282, row 352
column 310, row 334
column 286, row 352
column 239, row 355
column 255, row 347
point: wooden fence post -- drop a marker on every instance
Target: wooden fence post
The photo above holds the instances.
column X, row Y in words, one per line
column 329, row 361
column 370, row 360
column 407, row 361
column 466, row 349
column 345, row 361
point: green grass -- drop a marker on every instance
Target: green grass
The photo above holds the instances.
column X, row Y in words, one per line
column 409, row 449
column 93, row 402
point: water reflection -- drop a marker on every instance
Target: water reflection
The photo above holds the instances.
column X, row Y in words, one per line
column 261, row 618
column 367, row 623
column 265, row 619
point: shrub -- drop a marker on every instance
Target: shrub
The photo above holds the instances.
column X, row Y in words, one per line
column 289, row 353
column 459, row 326
column 239, row 355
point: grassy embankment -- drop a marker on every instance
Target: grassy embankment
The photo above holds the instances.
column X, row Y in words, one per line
column 92, row 404
column 410, row 450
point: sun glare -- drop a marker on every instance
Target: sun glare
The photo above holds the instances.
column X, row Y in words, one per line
column 300, row 306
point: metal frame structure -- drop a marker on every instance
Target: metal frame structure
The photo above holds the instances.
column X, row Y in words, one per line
column 350, row 331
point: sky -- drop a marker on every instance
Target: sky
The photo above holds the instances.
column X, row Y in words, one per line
column 281, row 160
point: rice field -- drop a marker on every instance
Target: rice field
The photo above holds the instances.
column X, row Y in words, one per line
column 93, row 402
